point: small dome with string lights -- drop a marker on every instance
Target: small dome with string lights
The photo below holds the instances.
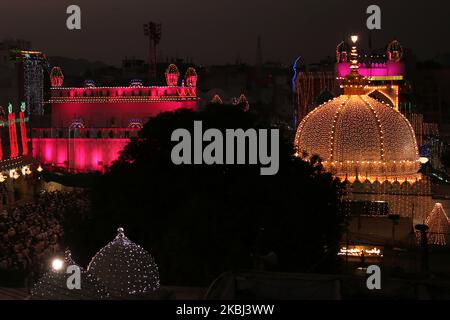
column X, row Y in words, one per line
column 53, row 285
column 125, row 268
column 358, row 137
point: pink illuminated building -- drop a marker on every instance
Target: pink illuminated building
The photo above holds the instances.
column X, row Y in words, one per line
column 91, row 125
column 384, row 73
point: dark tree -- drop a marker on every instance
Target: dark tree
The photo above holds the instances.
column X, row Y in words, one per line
column 445, row 158
column 199, row 221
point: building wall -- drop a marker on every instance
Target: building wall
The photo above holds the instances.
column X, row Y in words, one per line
column 105, row 115
column 80, row 154
column 409, row 200
column 415, row 207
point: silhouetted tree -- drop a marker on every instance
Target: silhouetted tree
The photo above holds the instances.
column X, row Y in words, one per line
column 199, row 220
column 445, row 158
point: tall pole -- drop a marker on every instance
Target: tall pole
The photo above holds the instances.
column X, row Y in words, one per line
column 294, row 93
column 153, row 32
column 423, row 229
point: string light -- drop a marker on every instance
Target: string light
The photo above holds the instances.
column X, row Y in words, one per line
column 26, row 170
column 358, row 251
column 216, row 99
column 439, row 225
column 121, row 99
column 23, row 129
column 242, row 101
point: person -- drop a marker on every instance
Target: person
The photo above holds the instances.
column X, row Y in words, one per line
column 363, row 260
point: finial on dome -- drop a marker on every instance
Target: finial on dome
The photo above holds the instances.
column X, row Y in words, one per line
column 120, row 232
column 354, row 55
column 354, row 83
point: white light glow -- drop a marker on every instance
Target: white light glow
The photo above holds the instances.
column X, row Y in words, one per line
column 57, row 264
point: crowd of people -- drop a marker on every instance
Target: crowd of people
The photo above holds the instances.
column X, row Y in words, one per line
column 31, row 233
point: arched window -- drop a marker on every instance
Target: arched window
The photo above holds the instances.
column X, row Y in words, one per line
column 77, row 124
column 135, row 124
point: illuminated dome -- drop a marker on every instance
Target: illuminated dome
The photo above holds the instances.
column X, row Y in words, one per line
column 126, row 269
column 53, row 284
column 360, row 138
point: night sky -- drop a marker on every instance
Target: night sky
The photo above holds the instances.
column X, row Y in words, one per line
column 218, row 31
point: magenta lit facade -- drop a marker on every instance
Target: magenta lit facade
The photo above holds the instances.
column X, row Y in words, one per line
column 386, row 69
column 91, row 125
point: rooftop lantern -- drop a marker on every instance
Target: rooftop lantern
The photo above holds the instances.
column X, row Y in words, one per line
column 56, row 77
column 395, row 51
column 89, row 83
column 172, row 75
column 191, row 77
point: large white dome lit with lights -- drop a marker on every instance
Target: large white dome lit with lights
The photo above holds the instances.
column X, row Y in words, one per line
column 358, row 137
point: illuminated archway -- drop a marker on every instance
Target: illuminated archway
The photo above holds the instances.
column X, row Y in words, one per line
column 388, row 95
column 77, row 124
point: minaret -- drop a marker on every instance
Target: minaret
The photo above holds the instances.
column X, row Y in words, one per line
column 12, row 132
column 259, row 58
column 23, row 129
column 259, row 63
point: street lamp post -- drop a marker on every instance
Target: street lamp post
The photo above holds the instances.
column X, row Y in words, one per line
column 423, row 229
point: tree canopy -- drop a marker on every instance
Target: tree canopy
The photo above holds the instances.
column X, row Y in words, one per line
column 201, row 220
